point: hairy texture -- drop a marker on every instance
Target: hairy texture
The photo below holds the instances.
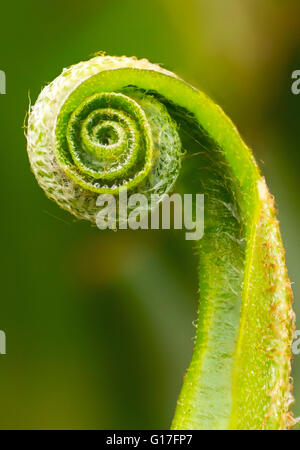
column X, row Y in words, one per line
column 111, row 124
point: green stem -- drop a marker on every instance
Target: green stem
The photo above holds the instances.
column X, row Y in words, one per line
column 114, row 123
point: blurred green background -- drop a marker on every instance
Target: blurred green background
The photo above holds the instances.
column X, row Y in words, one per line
column 89, row 345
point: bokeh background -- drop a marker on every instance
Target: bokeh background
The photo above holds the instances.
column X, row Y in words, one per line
column 89, row 343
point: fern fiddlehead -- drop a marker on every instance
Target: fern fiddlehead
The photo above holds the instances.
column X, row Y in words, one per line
column 113, row 123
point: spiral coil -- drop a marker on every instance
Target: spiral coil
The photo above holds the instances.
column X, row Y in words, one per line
column 101, row 144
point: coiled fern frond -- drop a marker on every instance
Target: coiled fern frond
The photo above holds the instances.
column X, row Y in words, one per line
column 115, row 123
